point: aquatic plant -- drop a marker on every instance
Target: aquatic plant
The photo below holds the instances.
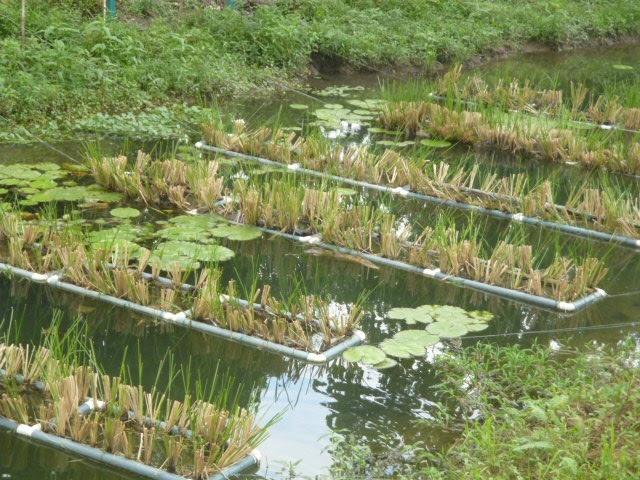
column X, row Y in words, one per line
column 601, row 205
column 511, row 133
column 286, row 207
column 204, row 435
column 577, row 104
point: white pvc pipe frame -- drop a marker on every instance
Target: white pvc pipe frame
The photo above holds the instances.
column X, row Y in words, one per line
column 183, row 318
column 35, row 433
column 403, row 192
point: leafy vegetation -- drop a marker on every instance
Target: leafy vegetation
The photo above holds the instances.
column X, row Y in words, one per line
column 72, row 64
column 539, row 414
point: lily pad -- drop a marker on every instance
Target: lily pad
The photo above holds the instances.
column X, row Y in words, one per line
column 333, row 106
column 298, row 106
column 620, row 66
column 396, row 349
column 125, row 212
column 432, row 143
column 364, row 353
column 238, row 233
column 188, row 254
column 410, row 315
column 448, row 329
column 386, row 363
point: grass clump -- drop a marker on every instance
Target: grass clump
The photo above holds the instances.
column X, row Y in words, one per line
column 605, row 206
column 542, row 415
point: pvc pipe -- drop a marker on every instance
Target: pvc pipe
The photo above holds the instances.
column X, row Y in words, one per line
column 182, row 319
column 403, row 192
column 253, row 459
column 436, row 274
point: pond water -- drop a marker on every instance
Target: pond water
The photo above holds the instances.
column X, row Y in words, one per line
column 319, row 401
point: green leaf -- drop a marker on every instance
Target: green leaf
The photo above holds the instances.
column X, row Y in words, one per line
column 432, row 143
column 620, row 66
column 364, row 353
column 386, row 363
column 239, row 233
column 298, row 106
column 410, row 315
column 447, row 329
column 125, row 212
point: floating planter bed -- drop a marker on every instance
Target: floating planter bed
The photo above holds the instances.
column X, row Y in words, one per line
column 440, row 251
column 185, row 318
column 199, row 440
column 404, row 192
column 600, row 111
column 436, row 274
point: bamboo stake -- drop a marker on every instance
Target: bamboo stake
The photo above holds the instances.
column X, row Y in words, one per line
column 23, row 20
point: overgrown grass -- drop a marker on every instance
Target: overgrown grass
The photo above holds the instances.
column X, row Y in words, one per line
column 72, row 64
column 543, row 415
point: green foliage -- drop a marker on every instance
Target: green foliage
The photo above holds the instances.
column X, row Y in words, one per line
column 544, row 415
column 73, row 64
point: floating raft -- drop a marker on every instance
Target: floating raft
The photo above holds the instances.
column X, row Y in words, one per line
column 403, row 192
column 35, row 433
column 183, row 319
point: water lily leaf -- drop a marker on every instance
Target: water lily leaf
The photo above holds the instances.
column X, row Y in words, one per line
column 386, row 363
column 298, row 106
column 238, row 233
column 189, row 254
column 75, row 194
column 432, row 143
column 447, row 329
column 42, row 183
column 125, row 212
column 364, row 353
column 476, row 327
column 386, row 143
column 420, row 338
column 333, row 106
column 410, row 315
column 397, row 349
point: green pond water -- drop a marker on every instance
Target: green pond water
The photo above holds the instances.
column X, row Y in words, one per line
column 319, row 401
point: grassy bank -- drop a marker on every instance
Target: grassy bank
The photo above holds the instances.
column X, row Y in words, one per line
column 71, row 64
column 543, row 415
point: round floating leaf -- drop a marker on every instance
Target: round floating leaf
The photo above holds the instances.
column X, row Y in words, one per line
column 432, row 143
column 397, row 349
column 410, row 315
column 238, row 233
column 386, row 363
column 333, row 106
column 298, row 106
column 620, row 66
column 125, row 212
column 476, row 327
column 448, row 329
column 421, row 338
column 364, row 353
column 189, row 254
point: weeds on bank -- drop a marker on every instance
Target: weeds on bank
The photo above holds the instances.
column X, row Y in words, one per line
column 518, row 413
